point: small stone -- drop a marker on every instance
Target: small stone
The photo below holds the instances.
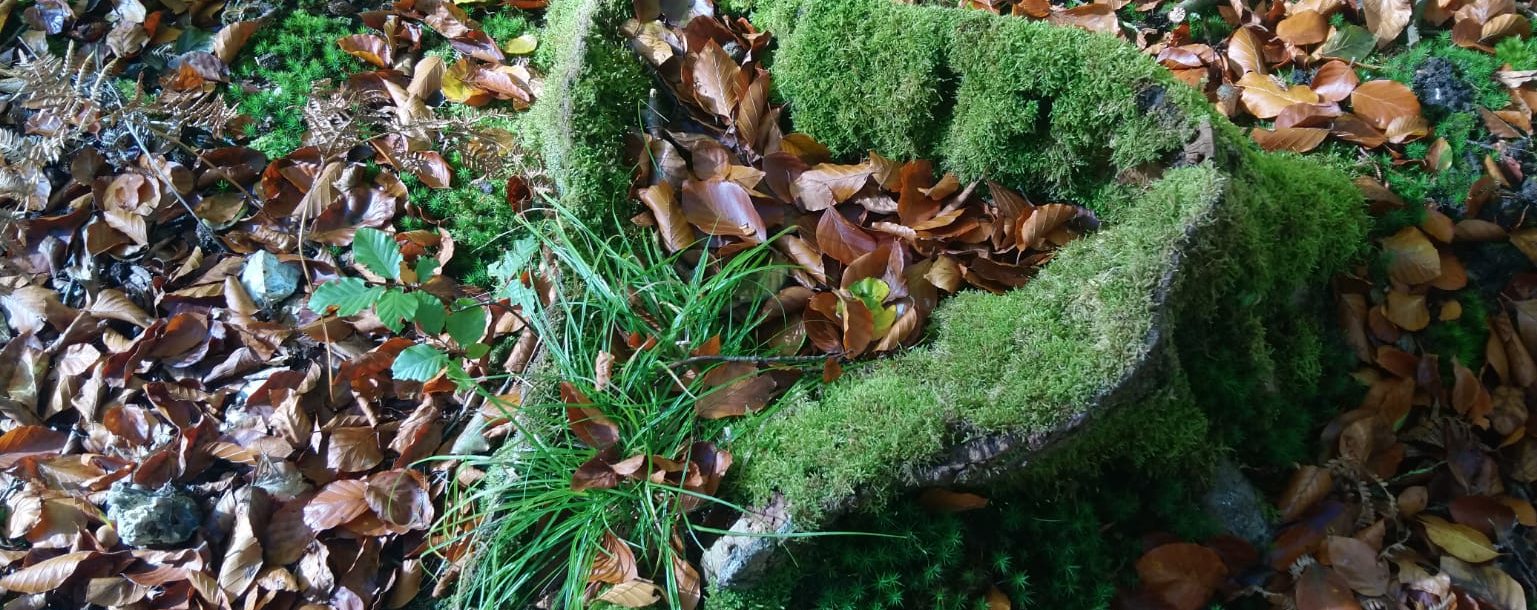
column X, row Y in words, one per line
column 149, row 518
column 267, row 279
column 1237, row 505
column 740, row 561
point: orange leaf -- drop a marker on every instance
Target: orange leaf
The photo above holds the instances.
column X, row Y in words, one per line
column 1265, row 96
column 1381, row 102
column 1303, row 28
column 941, row 500
column 1334, row 81
column 1412, row 258
column 1295, row 139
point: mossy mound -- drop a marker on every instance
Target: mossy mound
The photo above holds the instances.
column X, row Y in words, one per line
column 1206, row 276
column 1191, row 322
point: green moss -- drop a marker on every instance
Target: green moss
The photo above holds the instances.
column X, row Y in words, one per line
column 1463, row 338
column 1006, row 98
column 504, row 25
column 478, row 214
column 595, row 92
column 282, row 63
column 1520, row 53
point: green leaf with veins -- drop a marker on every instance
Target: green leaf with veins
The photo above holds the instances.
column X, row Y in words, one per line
column 395, row 306
column 418, row 363
column 348, row 295
column 430, row 314
column 425, row 267
column 467, row 323
column 377, row 251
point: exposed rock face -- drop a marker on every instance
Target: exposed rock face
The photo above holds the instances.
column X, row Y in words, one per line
column 151, row 517
column 1238, row 507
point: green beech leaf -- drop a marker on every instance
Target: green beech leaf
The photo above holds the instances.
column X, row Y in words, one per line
column 430, row 314
column 418, row 363
column 425, row 267
column 394, row 306
column 467, row 323
column 348, row 295
column 377, row 251
column 476, row 351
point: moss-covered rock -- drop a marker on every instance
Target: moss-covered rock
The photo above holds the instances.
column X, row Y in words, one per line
column 1205, row 277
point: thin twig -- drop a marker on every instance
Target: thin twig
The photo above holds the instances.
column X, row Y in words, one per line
column 758, row 360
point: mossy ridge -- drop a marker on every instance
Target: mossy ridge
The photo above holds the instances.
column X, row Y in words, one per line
column 595, row 91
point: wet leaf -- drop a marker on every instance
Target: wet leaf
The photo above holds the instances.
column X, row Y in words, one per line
column 1358, row 565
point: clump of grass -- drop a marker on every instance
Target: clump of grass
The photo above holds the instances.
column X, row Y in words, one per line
column 538, row 536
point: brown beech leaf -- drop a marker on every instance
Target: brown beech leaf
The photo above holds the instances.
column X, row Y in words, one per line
column 1184, row 575
column 28, row 441
column 689, row 583
column 586, row 421
column 1265, row 97
column 1386, row 19
column 1094, row 17
column 613, row 562
column 1381, row 102
column 663, row 203
column 1245, row 51
column 828, row 184
column 632, row 594
column 1320, row 588
column 1334, row 81
column 1412, row 259
column 802, row 253
column 1459, row 540
column 1504, row 26
column 1483, row 513
column 48, row 574
column 716, row 82
column 400, row 497
column 337, row 503
column 941, row 500
column 1308, row 485
column 1357, row 563
column 353, row 449
column 1040, row 223
column 368, row 47
column 1409, row 311
column 738, row 390
column 720, row 207
column 1308, row 115
column 1469, row 397
column 1295, row 139
column 228, row 42
column 842, row 240
column 1489, row 582
column 242, row 559
column 1303, row 28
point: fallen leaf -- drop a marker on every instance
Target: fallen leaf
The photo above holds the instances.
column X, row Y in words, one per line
column 1381, row 102
column 1184, row 575
column 1459, row 540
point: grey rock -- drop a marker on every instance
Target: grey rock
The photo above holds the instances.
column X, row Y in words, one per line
column 267, row 279
column 738, row 561
column 1237, row 505
column 146, row 517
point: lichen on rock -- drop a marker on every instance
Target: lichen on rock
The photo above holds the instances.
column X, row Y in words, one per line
column 145, row 517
